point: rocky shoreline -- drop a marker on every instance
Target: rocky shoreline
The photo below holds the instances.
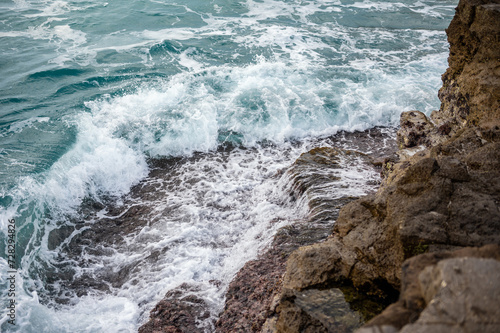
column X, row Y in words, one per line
column 428, row 239
column 310, row 182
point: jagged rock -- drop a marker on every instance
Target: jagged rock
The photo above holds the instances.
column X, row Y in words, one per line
column 255, row 293
column 418, row 132
column 414, row 129
column 460, row 296
column 316, row 310
column 470, row 92
column 180, row 311
column 444, row 292
column 251, row 293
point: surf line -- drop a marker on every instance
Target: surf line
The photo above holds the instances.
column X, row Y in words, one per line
column 11, row 280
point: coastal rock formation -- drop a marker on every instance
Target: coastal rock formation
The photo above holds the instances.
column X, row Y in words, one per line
column 312, row 180
column 454, row 288
column 439, row 198
column 443, row 198
column 470, row 93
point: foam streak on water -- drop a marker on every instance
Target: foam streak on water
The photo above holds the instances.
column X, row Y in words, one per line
column 168, row 125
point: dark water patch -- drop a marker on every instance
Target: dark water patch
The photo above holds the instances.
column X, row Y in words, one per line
column 13, row 100
column 340, row 307
column 56, row 74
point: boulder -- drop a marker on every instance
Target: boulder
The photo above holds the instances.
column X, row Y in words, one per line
column 450, row 291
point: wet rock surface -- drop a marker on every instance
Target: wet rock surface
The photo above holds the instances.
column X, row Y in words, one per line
column 429, row 229
column 180, row 311
column 318, row 181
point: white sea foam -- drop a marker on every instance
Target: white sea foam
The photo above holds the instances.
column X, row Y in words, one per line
column 19, row 126
column 89, row 314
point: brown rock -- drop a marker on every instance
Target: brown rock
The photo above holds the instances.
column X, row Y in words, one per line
column 434, row 200
column 445, row 287
column 414, row 129
column 439, row 199
column 180, row 311
column 470, row 92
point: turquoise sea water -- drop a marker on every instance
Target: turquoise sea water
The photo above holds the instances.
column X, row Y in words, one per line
column 92, row 92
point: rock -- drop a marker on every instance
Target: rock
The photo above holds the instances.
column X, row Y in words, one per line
column 432, row 201
column 419, row 287
column 418, row 132
column 316, row 310
column 253, row 294
column 180, row 311
column 414, row 129
column 460, row 297
column 250, row 294
column 470, row 94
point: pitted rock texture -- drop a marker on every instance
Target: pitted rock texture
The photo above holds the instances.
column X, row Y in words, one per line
column 450, row 291
column 417, row 131
column 414, row 129
column 471, row 85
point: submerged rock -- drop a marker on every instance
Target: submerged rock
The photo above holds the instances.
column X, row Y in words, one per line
column 317, row 178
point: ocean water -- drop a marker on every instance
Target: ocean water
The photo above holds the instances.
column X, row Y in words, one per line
column 179, row 116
